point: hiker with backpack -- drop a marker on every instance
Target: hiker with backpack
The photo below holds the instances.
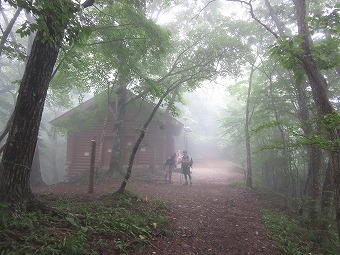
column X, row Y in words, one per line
column 170, row 165
column 186, row 164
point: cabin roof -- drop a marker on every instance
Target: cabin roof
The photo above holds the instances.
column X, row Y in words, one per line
column 88, row 104
column 82, row 106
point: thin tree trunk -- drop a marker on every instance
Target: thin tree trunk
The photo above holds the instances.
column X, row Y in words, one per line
column 3, row 40
column 286, row 156
column 5, row 131
column 327, row 192
column 136, row 146
column 249, row 177
column 142, row 134
column 169, row 148
column 9, row 28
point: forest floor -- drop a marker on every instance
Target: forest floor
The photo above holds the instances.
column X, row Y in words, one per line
column 208, row 218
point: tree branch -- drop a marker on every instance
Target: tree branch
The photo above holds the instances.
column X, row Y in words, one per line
column 88, row 3
column 254, row 17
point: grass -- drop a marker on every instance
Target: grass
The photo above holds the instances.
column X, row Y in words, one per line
column 296, row 238
column 295, row 235
column 237, row 183
column 114, row 225
column 292, row 238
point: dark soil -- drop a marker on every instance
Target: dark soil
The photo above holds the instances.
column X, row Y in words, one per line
column 209, row 218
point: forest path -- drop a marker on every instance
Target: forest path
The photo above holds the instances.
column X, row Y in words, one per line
column 209, row 218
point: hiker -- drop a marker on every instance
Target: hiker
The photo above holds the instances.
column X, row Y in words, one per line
column 169, row 165
column 178, row 156
column 186, row 164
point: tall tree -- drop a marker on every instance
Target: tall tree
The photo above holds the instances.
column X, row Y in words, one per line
column 319, row 86
column 249, row 175
column 123, row 44
column 313, row 181
column 18, row 154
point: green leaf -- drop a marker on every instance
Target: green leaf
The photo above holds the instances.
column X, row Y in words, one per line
column 72, row 221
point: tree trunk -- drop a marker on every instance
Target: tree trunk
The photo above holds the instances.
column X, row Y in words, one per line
column 313, row 182
column 117, row 143
column 152, row 162
column 327, row 208
column 319, row 90
column 312, row 188
column 249, row 177
column 327, row 192
column 19, row 150
column 138, row 142
column 16, row 162
column 314, row 154
column 335, row 165
column 169, row 147
column 317, row 81
column 167, row 119
column 286, row 165
column 141, row 136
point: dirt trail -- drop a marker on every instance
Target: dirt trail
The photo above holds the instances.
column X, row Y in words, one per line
column 209, row 218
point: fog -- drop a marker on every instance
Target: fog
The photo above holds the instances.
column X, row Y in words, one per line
column 200, row 114
column 199, row 29
column 201, row 117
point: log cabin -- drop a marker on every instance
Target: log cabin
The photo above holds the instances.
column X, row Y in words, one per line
column 92, row 121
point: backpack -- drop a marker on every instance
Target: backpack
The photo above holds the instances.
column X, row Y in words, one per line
column 168, row 161
column 191, row 161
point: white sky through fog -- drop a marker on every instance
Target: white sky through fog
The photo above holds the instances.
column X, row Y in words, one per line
column 228, row 9
column 213, row 94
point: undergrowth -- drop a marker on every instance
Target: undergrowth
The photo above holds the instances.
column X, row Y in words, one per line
column 294, row 233
column 297, row 238
column 113, row 225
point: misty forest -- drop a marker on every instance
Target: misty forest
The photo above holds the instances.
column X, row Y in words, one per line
column 96, row 95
